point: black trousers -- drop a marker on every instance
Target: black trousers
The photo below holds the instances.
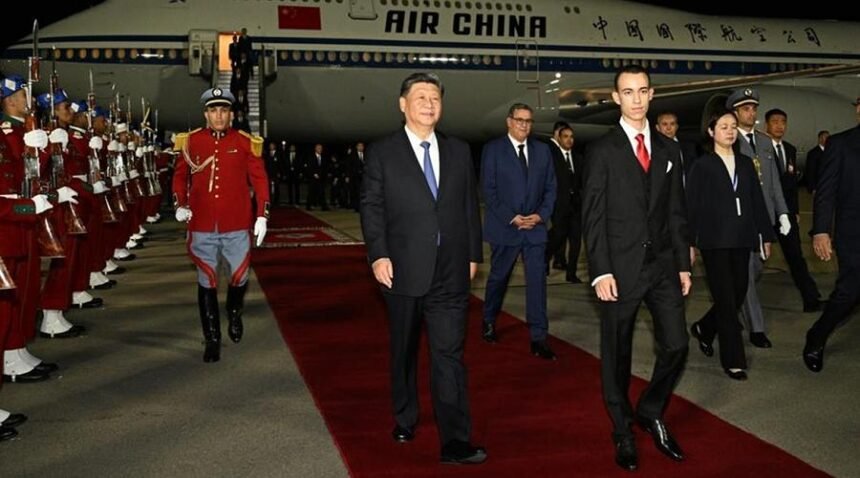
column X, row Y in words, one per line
column 444, row 314
column 294, row 185
column 796, row 263
column 843, row 299
column 316, row 194
column 662, row 295
column 274, row 192
column 565, row 238
column 728, row 278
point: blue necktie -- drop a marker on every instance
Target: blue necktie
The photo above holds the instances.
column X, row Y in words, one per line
column 428, row 170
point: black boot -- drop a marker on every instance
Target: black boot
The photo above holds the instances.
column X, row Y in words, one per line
column 207, row 299
column 235, row 304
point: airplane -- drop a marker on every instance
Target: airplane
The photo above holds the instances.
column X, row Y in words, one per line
column 329, row 70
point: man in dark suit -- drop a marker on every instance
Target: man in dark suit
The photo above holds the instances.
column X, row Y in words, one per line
column 518, row 180
column 274, row 170
column 813, row 161
column 293, row 172
column 317, row 172
column 776, row 121
column 837, row 196
column 420, row 219
column 635, row 227
column 566, row 231
column 667, row 124
column 354, row 172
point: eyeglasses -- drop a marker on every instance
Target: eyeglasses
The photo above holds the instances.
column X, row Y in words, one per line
column 523, row 121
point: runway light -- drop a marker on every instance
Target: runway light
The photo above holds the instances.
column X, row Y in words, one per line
column 558, row 75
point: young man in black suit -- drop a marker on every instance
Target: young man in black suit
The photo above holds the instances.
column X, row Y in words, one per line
column 635, row 227
column 420, row 219
column 837, row 196
column 566, row 231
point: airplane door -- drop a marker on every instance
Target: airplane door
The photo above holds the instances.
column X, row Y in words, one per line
column 528, row 66
column 202, row 52
column 362, row 10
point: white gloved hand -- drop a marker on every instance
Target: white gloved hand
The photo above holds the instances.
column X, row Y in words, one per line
column 133, row 174
column 96, row 143
column 138, row 152
column 113, row 146
column 183, row 214
column 66, row 194
column 36, row 139
column 115, row 182
column 59, row 135
column 784, row 225
column 132, row 146
column 42, row 203
column 260, row 229
column 121, row 148
column 99, row 187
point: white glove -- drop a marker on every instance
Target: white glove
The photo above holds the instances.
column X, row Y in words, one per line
column 99, row 187
column 113, row 146
column 115, row 182
column 260, row 229
column 784, row 225
column 150, row 148
column 66, row 194
column 36, row 139
column 133, row 174
column 96, row 143
column 183, row 214
column 131, row 146
column 139, row 152
column 121, row 148
column 42, row 203
column 59, row 135
column 122, row 177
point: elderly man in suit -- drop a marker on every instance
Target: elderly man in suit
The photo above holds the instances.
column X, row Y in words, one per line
column 635, row 227
column 759, row 147
column 519, row 186
column 837, row 197
column 420, row 219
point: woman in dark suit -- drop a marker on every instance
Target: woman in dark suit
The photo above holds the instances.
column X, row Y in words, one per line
column 728, row 219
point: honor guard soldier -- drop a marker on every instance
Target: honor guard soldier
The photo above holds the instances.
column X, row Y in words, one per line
column 210, row 193
column 17, row 241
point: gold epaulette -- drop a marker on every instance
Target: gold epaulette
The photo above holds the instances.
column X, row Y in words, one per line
column 256, row 143
column 182, row 138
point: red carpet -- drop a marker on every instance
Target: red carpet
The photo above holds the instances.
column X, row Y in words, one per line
column 535, row 418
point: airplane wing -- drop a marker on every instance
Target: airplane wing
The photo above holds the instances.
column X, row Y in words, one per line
column 587, row 104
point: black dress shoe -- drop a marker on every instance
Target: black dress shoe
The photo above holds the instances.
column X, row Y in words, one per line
column 93, row 304
column 403, row 434
column 7, row 433
column 488, row 332
column 45, row 367
column 29, row 377
column 559, row 266
column 736, row 374
column 117, row 271
column 542, row 350
column 813, row 355
column 107, row 285
column 13, row 420
column 73, row 332
column 457, row 452
column 705, row 347
column 759, row 339
column 129, row 257
column 625, row 454
column 663, row 440
column 573, row 279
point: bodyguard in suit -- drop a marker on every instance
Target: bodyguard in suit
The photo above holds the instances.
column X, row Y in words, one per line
column 566, row 231
column 317, row 173
column 667, row 124
column 837, row 197
column 758, row 146
column 419, row 216
column 635, row 227
column 776, row 121
column 355, row 170
column 294, row 172
column 518, row 180
column 813, row 161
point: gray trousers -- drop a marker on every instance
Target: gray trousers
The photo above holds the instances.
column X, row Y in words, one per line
column 206, row 248
column 751, row 309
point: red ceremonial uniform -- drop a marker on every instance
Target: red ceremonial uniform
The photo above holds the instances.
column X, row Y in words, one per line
column 225, row 164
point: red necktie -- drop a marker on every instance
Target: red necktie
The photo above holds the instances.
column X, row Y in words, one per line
column 642, row 152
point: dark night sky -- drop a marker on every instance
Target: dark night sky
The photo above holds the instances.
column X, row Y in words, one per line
column 48, row 12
